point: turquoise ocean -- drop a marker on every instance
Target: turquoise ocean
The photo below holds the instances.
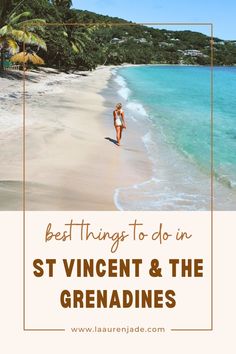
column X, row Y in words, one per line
column 172, row 107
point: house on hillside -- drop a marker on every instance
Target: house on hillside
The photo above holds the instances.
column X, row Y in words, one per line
column 140, row 40
column 115, row 40
column 165, row 44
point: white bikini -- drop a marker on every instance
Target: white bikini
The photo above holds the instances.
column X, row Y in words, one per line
column 119, row 121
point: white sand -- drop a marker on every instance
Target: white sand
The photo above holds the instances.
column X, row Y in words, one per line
column 69, row 163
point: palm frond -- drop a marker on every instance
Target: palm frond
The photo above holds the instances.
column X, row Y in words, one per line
column 32, row 24
column 92, row 29
column 16, row 7
column 34, row 39
column 81, row 43
column 85, row 36
column 28, row 38
column 4, row 30
column 14, row 18
column 19, row 35
column 12, row 46
column 75, row 48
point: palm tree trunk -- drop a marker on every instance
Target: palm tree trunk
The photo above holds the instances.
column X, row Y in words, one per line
column 2, row 61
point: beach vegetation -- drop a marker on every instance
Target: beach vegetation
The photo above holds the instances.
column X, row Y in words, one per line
column 100, row 40
column 16, row 29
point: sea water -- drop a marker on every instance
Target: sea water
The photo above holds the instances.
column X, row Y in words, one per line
column 175, row 103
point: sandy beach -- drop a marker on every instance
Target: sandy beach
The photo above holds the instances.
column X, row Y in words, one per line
column 72, row 162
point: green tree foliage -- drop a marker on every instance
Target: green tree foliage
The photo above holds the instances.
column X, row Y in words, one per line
column 16, row 29
column 62, row 3
column 105, row 40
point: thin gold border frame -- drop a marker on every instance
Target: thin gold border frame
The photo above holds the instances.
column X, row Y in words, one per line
column 210, row 25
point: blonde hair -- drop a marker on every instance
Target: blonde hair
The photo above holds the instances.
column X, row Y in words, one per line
column 118, row 106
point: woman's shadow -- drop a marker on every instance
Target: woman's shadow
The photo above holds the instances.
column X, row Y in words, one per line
column 111, row 140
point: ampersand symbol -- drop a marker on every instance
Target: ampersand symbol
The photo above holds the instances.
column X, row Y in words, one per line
column 155, row 271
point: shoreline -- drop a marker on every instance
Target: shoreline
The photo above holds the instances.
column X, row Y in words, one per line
column 135, row 151
column 162, row 192
column 71, row 160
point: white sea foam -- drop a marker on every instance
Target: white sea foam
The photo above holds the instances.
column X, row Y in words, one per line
column 150, row 195
column 124, row 91
column 137, row 107
column 114, row 71
column 127, row 190
column 116, row 199
column 147, row 139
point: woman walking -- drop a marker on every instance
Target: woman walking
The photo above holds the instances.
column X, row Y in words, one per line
column 119, row 122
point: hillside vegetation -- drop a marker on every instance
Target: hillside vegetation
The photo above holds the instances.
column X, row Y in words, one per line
column 106, row 40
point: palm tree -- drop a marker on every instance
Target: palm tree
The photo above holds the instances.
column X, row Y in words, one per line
column 18, row 29
column 4, row 8
column 78, row 39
